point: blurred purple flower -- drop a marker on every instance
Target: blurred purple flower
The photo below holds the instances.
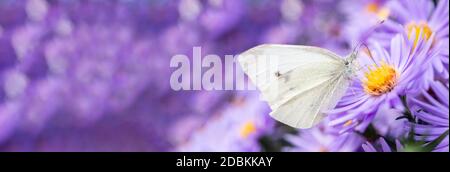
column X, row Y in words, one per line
column 236, row 128
column 70, row 67
column 361, row 16
column 8, row 119
column 323, row 139
column 93, row 75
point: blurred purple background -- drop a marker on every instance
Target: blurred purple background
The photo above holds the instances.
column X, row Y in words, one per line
column 93, row 75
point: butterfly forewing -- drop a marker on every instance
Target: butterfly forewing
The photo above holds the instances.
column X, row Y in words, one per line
column 298, row 82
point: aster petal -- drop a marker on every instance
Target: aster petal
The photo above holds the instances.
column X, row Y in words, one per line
column 430, row 109
column 349, row 106
column 441, row 28
column 344, row 118
column 442, row 92
column 401, row 41
column 422, row 8
column 348, row 141
column 418, row 62
column 391, row 26
column 396, row 55
column 352, row 98
column 440, row 15
column 384, row 146
column 382, row 38
column 380, row 53
column 367, row 147
column 398, row 145
column 431, row 119
column 397, row 7
column 345, row 129
column 443, row 148
column 365, row 122
column 427, row 130
column 372, row 104
column 444, row 49
column 403, row 46
column 438, row 65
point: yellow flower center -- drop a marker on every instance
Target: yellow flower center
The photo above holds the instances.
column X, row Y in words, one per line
column 248, row 129
column 380, row 80
column 323, row 149
column 374, row 8
column 415, row 28
column 348, row 123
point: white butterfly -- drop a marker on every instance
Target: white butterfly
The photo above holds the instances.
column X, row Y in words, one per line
column 301, row 82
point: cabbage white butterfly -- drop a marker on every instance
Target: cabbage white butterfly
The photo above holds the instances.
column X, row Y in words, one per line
column 301, row 82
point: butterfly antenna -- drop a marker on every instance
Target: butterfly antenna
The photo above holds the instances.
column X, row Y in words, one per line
column 365, row 35
column 369, row 53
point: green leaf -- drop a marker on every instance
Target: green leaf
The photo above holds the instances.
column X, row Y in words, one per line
column 418, row 146
column 407, row 113
column 432, row 145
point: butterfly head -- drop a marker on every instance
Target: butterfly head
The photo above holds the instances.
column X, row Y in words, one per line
column 351, row 64
column 351, row 58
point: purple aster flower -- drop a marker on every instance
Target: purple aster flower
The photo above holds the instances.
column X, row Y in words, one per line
column 382, row 146
column 384, row 77
column 431, row 110
column 324, row 139
column 423, row 17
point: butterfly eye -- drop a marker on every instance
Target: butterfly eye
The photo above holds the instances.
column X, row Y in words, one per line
column 346, row 62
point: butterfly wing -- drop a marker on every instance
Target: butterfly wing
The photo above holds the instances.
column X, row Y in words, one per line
column 298, row 82
column 306, row 109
